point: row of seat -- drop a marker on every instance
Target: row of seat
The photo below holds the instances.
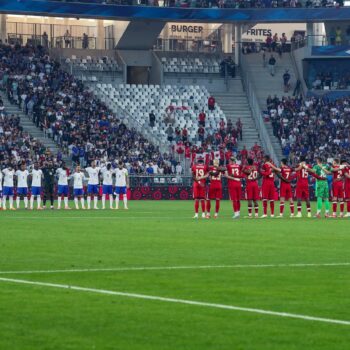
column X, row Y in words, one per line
column 171, row 104
column 190, row 65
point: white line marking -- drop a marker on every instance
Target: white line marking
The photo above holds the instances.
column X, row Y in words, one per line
column 178, row 301
column 151, row 268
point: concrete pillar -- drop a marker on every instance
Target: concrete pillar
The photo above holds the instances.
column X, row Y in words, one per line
column 100, row 40
column 3, row 34
column 238, row 43
column 310, row 34
column 227, row 38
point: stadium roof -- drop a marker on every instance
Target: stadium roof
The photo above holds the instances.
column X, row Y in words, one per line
column 167, row 14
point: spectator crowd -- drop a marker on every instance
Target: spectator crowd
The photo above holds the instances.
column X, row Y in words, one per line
column 311, row 127
column 17, row 146
column 70, row 114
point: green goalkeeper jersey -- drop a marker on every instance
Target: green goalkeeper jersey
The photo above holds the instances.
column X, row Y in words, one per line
column 320, row 172
column 322, row 189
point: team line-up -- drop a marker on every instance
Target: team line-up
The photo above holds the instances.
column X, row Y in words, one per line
column 207, row 186
column 45, row 178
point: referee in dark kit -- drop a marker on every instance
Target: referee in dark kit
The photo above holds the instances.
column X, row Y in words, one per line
column 49, row 183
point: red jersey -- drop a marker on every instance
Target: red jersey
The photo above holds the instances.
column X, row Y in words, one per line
column 338, row 174
column 252, row 177
column 234, row 170
column 266, row 172
column 286, row 173
column 302, row 177
column 215, row 179
column 199, row 170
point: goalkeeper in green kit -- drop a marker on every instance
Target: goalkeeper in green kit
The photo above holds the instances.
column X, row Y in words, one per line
column 320, row 172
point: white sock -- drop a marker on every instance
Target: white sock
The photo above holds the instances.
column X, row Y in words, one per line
column 4, row 202
column 103, row 201
column 125, row 201
column 95, row 201
column 18, row 199
column 66, row 202
column 111, row 200
column 38, row 199
column 25, row 202
column 31, row 202
column 117, row 201
column 88, row 202
column 11, row 201
column 82, row 202
column 59, row 200
column 76, row 203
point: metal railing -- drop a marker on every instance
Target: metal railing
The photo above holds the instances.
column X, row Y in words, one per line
column 188, row 45
column 52, row 42
column 257, row 112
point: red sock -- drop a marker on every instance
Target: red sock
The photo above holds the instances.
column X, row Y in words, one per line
column 203, row 205
column 308, row 208
column 265, row 206
column 272, row 207
column 348, row 206
column 217, row 205
column 342, row 207
column 234, row 206
column 292, row 208
column 281, row 208
column 239, row 206
column 196, row 206
column 249, row 210
column 299, row 208
column 208, row 206
column 335, row 205
column 257, row 209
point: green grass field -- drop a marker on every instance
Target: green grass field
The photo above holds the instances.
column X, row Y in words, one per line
column 294, row 266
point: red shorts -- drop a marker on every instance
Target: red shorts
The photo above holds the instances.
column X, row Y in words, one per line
column 302, row 192
column 338, row 189
column 214, row 193
column 198, row 191
column 268, row 190
column 253, row 191
column 286, row 191
column 235, row 191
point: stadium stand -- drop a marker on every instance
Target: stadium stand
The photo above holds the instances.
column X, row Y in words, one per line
column 190, row 65
column 327, row 74
column 69, row 114
column 311, row 127
column 218, row 4
column 16, row 145
column 91, row 63
column 177, row 106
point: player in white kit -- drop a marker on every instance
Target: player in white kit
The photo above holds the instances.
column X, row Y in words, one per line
column 63, row 189
column 9, row 174
column 78, row 187
column 107, row 185
column 121, row 185
column 93, row 184
column 36, row 176
column 22, row 186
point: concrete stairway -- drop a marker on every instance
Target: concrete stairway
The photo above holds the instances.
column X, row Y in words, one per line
column 234, row 104
column 29, row 127
column 266, row 85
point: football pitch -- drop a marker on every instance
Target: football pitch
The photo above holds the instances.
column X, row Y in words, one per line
column 153, row 278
